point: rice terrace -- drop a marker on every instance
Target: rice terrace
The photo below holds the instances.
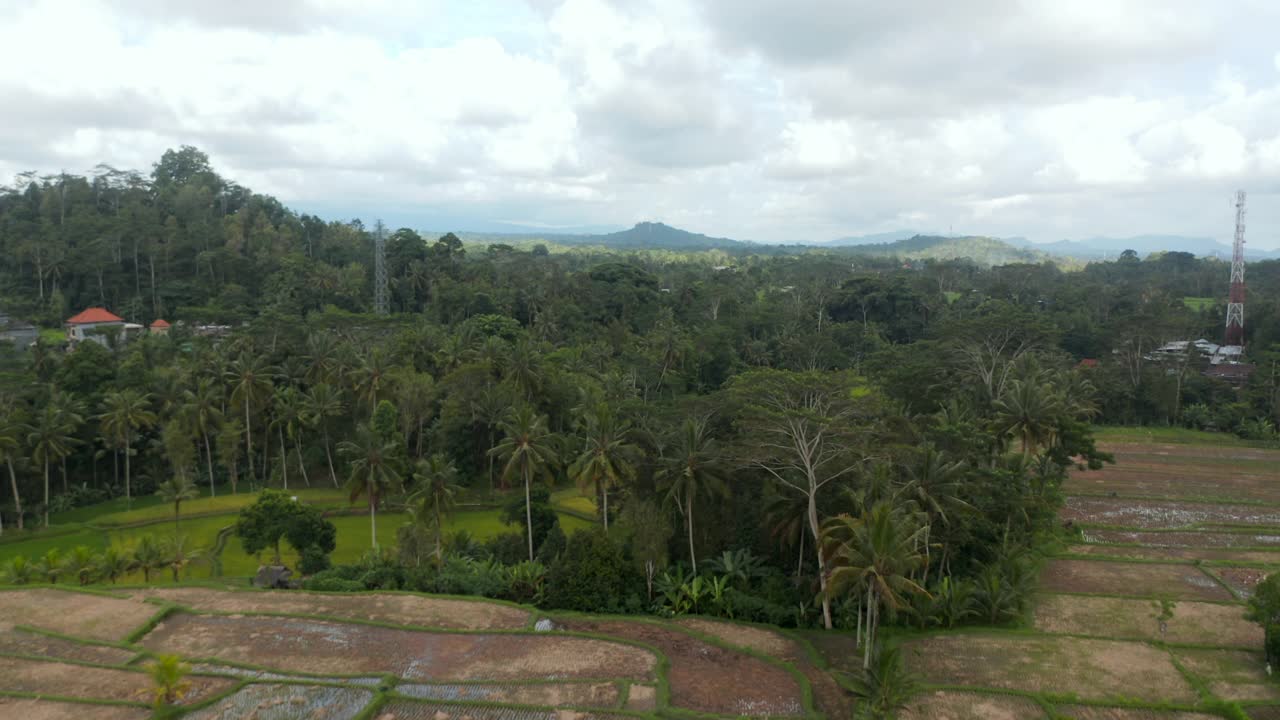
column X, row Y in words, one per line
column 1187, row 524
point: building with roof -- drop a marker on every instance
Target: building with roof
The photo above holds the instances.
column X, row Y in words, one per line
column 21, row 334
column 98, row 325
column 160, row 327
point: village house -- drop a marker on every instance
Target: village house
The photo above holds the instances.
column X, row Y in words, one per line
column 99, row 324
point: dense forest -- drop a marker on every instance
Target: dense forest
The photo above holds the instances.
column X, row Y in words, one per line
column 805, row 438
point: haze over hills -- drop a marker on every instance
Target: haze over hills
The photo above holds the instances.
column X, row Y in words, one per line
column 907, row 244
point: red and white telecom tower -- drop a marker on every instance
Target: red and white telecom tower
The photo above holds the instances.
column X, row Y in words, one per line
column 1235, row 301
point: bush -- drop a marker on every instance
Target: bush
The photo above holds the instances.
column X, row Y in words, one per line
column 508, row 548
column 590, row 576
column 544, row 516
column 324, row 583
column 313, row 560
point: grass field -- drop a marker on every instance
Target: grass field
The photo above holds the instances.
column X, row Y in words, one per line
column 1174, row 435
column 1199, row 304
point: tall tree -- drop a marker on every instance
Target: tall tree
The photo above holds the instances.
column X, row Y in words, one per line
column 203, row 406
column 528, row 451
column 13, row 435
column 176, row 490
column 51, row 439
column 375, row 470
column 124, row 413
column 320, row 405
column 435, row 488
column 693, row 468
column 250, row 379
column 606, row 459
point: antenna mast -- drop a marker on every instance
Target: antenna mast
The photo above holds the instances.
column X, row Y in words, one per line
column 1235, row 302
column 381, row 303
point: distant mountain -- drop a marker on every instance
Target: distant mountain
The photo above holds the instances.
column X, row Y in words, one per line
column 663, row 236
column 872, row 239
column 981, row 250
column 1099, row 247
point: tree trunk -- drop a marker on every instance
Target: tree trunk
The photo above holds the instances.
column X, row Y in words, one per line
column 297, row 444
column 528, row 513
column 822, row 562
column 604, row 491
column 46, row 492
column 13, row 483
column 128, row 491
column 248, row 439
column 284, row 458
column 208, row 454
column 688, row 519
column 329, row 456
column 64, row 474
column 800, row 557
column 373, row 521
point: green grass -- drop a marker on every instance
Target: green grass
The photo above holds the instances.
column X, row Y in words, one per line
column 1199, row 304
column 53, row 335
column 1175, row 435
column 223, row 503
column 570, row 500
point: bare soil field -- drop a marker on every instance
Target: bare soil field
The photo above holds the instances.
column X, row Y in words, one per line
column 250, row 674
column 72, row 613
column 405, row 710
column 55, row 710
column 1090, row 712
column 1132, row 579
column 1231, row 674
column 80, row 681
column 581, row 695
column 1175, row 451
column 287, row 702
column 1187, row 539
column 380, row 607
column 709, row 678
column 21, row 642
column 642, row 698
column 1242, row 580
column 1158, row 482
column 1093, row 669
column 323, row 647
column 1131, row 513
column 1178, row 554
column 951, row 705
column 752, row 638
column 1125, row 618
column 1264, row 712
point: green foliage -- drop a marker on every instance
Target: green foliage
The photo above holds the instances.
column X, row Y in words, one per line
column 591, row 574
column 169, row 683
column 540, row 510
column 884, row 687
column 276, row 516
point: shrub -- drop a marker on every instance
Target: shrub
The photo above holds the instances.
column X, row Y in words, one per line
column 330, row 583
column 508, row 548
column 590, row 575
column 313, row 560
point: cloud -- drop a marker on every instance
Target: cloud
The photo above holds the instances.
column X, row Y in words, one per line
column 744, row 118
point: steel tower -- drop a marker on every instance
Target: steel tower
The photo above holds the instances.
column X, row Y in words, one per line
column 381, row 301
column 1235, row 302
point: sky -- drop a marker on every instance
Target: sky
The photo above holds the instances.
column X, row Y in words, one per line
column 766, row 120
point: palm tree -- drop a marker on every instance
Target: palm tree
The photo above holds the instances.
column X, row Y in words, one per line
column 204, row 409
column 1029, row 410
column 169, row 682
column 415, row 395
column 875, row 553
column 375, row 470
column 13, row 432
column 489, row 409
column 81, row 564
column 528, row 451
column 229, row 450
column 177, row 556
column 124, row 413
column 322, row 403
column 885, row 686
column 436, row 482
column 369, row 379
column 148, row 555
column 19, row 571
column 250, row 380
column 49, row 566
column 606, row 458
column 72, row 410
column 694, row 468
column 934, row 486
column 114, row 563
column 51, row 440
column 788, row 516
column 522, row 368
column 290, row 416
column 175, row 490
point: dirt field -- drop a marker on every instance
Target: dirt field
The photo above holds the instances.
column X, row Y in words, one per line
column 92, row 683
column 22, row 642
column 1132, row 579
column 752, row 638
column 1186, row 539
column 331, row 648
column 1124, row 618
column 1121, row 512
column 1088, row 712
column 54, row 710
column 72, row 613
column 380, row 607
column 709, row 678
column 1242, row 580
column 1178, row 554
column 434, row 711
column 949, row 705
column 580, row 695
column 287, row 702
column 1094, row 669
column 1231, row 674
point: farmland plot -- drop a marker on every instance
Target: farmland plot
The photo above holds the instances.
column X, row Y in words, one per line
column 1133, row 579
column 399, row 609
column 1126, row 618
column 74, row 613
column 31, row 709
column 582, row 695
column 287, row 702
column 407, row 710
column 80, row 681
column 952, row 705
column 321, row 647
column 1148, row 514
column 22, row 642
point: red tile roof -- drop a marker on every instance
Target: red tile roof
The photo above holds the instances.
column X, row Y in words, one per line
column 94, row 315
column 159, row 324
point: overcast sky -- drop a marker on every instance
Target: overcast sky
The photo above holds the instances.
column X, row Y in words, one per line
column 769, row 120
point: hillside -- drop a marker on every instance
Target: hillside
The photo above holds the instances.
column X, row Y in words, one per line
column 981, row 250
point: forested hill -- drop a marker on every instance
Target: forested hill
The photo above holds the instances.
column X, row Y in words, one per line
column 981, row 250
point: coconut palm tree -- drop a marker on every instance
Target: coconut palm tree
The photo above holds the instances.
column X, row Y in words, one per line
column 175, row 490
column 49, row 566
column 81, row 564
column 528, row 451
column 321, row 404
column 873, row 554
column 375, row 470
column 606, row 459
column 113, row 563
column 13, row 433
column 693, row 469
column 124, row 413
column 1028, row 410
column 369, row 379
column 203, row 407
column 148, row 555
column 489, row 410
column 230, row 450
column 934, row 486
column 169, row 682
column 435, row 480
column 19, row 571
column 290, row 419
column 51, row 439
column 250, row 379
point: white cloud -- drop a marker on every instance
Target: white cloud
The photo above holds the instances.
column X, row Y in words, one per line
column 745, row 118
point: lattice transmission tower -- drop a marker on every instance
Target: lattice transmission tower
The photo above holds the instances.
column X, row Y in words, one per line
column 1235, row 301
column 381, row 301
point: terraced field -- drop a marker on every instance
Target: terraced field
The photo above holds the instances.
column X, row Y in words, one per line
column 1192, row 523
